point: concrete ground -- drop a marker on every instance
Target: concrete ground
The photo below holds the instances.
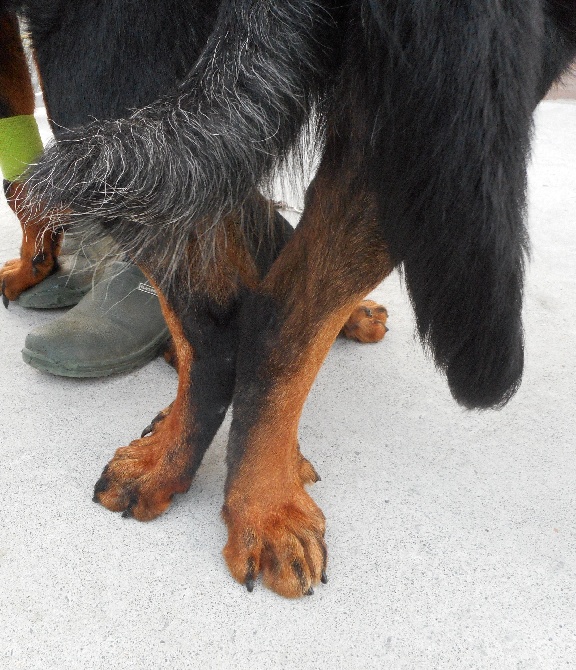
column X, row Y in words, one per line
column 452, row 534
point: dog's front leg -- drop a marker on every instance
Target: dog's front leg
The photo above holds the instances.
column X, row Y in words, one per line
column 142, row 478
column 334, row 258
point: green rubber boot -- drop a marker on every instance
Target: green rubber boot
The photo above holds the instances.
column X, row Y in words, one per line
column 80, row 268
column 116, row 327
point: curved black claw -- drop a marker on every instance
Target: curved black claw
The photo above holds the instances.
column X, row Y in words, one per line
column 5, row 300
column 152, row 425
column 324, row 577
column 299, row 572
column 250, row 579
column 310, row 592
column 127, row 513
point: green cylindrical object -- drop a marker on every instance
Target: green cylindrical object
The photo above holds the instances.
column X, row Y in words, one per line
column 20, row 145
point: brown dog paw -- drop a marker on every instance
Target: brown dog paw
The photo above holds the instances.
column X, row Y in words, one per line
column 367, row 323
column 283, row 540
column 20, row 274
column 38, row 252
column 143, row 477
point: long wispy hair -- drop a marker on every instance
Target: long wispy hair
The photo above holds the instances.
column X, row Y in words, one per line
column 176, row 168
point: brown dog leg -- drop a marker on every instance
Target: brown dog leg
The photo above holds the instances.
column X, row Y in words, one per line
column 16, row 91
column 336, row 256
column 143, row 477
column 38, row 252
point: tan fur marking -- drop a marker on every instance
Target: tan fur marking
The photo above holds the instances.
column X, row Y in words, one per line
column 233, row 265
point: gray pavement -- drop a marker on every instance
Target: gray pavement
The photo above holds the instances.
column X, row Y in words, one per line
column 452, row 534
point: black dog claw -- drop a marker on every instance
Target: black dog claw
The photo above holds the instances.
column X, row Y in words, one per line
column 152, row 425
column 310, row 592
column 250, row 580
column 324, row 577
column 127, row 513
column 5, row 300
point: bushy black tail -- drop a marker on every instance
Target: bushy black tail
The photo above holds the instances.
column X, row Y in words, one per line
column 453, row 86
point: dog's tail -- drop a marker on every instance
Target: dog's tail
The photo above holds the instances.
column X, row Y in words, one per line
column 177, row 167
column 453, row 86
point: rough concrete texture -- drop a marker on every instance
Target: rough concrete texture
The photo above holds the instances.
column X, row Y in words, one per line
column 452, row 535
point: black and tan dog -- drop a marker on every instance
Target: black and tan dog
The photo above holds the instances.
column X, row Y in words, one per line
column 422, row 112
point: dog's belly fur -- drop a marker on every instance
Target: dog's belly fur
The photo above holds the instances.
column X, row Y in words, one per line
column 426, row 119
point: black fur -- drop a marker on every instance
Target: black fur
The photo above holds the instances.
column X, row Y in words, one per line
column 449, row 163
column 101, row 60
column 442, row 93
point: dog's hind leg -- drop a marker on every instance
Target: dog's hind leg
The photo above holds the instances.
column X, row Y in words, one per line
column 201, row 308
column 335, row 257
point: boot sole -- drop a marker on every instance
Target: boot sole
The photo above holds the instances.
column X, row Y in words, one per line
column 121, row 365
column 44, row 296
column 53, row 300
